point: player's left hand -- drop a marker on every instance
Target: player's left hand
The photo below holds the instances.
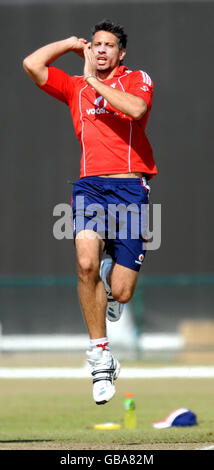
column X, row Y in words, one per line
column 90, row 67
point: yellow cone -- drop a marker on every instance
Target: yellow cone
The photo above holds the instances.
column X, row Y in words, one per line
column 107, row 426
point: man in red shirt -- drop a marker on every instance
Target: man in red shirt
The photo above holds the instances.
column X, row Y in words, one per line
column 109, row 105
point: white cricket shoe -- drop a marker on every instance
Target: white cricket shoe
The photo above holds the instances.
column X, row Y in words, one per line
column 105, row 369
column 114, row 308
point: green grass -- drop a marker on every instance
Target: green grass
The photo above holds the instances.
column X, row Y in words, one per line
column 63, row 411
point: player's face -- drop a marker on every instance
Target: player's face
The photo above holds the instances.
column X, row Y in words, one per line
column 106, row 51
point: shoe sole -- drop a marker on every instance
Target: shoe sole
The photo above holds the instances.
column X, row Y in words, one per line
column 112, row 318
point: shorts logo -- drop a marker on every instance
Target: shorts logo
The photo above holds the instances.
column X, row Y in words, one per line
column 140, row 259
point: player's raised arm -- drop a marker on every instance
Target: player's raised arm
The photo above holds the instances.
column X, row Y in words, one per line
column 36, row 64
column 127, row 103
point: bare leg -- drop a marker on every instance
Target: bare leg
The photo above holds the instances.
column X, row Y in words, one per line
column 122, row 281
column 92, row 295
column 93, row 299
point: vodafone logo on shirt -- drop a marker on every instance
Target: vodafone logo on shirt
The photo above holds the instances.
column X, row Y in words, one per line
column 100, row 104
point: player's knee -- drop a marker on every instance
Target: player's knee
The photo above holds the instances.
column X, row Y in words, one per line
column 88, row 269
column 122, row 294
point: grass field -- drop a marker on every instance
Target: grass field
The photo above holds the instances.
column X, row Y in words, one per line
column 60, row 414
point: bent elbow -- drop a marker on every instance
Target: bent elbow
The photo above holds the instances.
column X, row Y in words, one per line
column 37, row 72
column 27, row 65
column 139, row 112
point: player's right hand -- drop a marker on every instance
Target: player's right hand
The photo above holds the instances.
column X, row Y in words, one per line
column 77, row 45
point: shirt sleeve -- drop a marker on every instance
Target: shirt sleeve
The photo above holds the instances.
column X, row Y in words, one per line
column 59, row 85
column 141, row 85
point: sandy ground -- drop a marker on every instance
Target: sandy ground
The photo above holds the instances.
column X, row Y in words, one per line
column 89, row 446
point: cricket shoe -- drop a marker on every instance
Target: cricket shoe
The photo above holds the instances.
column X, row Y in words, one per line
column 114, row 308
column 105, row 369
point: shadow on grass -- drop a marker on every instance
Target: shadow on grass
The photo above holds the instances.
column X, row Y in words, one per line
column 26, row 440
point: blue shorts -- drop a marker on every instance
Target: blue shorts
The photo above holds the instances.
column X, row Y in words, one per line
column 117, row 209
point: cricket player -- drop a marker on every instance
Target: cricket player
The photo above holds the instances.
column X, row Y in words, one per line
column 109, row 105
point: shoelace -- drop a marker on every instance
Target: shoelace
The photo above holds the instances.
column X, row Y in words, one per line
column 110, row 297
column 107, row 374
column 111, row 309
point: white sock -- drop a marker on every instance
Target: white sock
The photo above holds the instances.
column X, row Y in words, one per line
column 103, row 342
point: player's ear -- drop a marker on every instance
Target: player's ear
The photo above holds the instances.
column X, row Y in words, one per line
column 122, row 54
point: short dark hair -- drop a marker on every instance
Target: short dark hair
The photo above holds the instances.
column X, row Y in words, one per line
column 114, row 28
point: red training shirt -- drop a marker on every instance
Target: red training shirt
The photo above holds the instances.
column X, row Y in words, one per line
column 111, row 142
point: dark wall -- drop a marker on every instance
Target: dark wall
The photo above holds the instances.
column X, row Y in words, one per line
column 39, row 151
